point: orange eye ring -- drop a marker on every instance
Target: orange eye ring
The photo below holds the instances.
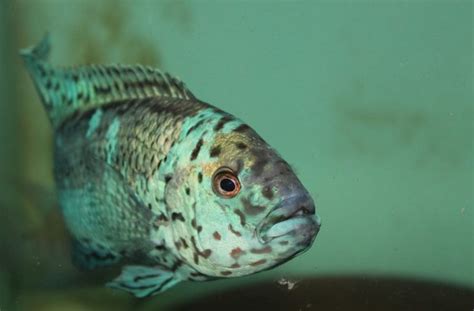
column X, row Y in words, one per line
column 225, row 183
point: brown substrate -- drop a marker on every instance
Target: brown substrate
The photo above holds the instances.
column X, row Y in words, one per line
column 340, row 293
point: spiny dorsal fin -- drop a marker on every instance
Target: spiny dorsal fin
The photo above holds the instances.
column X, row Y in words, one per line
column 67, row 90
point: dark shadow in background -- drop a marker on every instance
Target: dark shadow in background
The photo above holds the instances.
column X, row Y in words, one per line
column 340, row 293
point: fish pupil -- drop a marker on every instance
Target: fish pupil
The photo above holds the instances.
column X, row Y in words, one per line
column 227, row 185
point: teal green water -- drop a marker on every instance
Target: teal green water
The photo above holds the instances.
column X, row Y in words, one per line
column 371, row 103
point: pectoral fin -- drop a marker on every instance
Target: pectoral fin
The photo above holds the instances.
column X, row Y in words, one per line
column 144, row 281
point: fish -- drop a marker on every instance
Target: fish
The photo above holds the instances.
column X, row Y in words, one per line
column 161, row 184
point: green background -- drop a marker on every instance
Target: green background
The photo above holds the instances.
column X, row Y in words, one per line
column 371, row 102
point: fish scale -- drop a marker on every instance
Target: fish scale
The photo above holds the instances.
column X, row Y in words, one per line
column 161, row 184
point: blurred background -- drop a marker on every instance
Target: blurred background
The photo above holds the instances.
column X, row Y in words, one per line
column 370, row 101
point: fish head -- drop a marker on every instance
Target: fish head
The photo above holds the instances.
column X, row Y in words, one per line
column 249, row 211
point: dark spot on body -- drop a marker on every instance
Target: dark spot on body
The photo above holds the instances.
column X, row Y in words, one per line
column 162, row 217
column 264, row 250
column 195, row 126
column 160, row 247
column 222, row 122
column 185, row 244
column 250, row 208
column 168, row 178
column 241, row 216
column 216, row 236
column 241, row 146
column 226, row 272
column 205, row 253
column 236, row 252
column 200, row 177
column 215, row 151
column 235, row 266
column 267, row 192
column 258, row 262
column 177, row 216
column 196, row 150
column 242, row 128
column 231, row 229
column 283, row 242
column 178, row 263
column 188, row 191
column 178, row 245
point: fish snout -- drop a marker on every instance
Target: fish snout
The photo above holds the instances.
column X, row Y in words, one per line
column 294, row 216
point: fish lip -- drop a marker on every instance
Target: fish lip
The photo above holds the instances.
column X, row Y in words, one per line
column 290, row 209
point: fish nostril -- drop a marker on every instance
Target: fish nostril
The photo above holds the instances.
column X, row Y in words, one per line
column 307, row 209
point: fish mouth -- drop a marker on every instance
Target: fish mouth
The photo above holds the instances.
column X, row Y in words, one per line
column 293, row 216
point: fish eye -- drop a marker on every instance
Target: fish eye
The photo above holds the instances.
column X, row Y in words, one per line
column 225, row 183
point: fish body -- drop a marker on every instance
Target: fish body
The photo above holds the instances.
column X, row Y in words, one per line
column 163, row 184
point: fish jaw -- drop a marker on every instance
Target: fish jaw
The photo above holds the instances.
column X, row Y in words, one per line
column 294, row 217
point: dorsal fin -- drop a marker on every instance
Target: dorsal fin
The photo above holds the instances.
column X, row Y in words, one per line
column 67, row 90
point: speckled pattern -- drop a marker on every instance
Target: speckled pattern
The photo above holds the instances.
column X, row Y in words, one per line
column 137, row 157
